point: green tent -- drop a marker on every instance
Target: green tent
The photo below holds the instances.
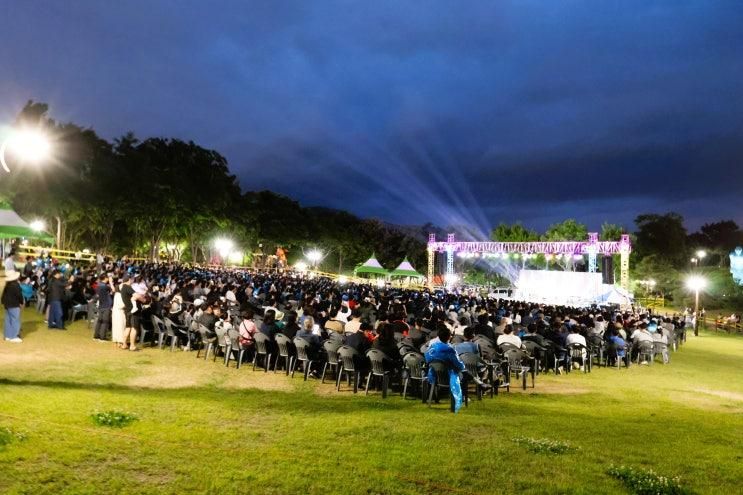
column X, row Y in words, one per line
column 370, row 267
column 12, row 226
column 405, row 269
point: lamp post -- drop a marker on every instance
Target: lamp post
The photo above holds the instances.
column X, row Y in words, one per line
column 696, row 283
column 29, row 145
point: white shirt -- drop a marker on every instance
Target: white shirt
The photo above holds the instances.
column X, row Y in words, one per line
column 509, row 338
column 576, row 338
column 9, row 264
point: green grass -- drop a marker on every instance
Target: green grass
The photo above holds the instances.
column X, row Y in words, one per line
column 202, row 428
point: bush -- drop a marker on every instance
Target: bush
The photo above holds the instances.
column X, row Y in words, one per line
column 8, row 436
column 545, row 445
column 114, row 419
column 642, row 482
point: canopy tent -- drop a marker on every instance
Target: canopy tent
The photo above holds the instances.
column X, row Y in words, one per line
column 614, row 294
column 405, row 269
column 370, row 267
column 12, row 226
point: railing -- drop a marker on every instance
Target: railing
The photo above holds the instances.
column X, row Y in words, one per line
column 651, row 302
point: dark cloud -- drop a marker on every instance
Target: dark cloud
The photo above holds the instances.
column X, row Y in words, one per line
column 413, row 111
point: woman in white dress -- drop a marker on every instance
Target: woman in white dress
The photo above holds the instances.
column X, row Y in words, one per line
column 118, row 319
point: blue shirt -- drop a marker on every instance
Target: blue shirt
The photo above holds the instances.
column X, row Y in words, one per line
column 463, row 347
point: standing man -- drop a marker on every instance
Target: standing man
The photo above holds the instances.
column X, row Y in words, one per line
column 9, row 262
column 105, row 303
column 57, row 287
column 130, row 333
column 12, row 299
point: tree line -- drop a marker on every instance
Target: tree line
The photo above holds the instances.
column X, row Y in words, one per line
column 157, row 196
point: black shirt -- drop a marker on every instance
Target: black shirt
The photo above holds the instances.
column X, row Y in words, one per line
column 126, row 296
column 12, row 296
column 57, row 289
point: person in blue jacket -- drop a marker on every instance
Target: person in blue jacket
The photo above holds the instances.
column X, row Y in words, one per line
column 443, row 352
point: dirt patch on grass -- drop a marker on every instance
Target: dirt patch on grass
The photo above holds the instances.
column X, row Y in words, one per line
column 709, row 401
column 721, row 393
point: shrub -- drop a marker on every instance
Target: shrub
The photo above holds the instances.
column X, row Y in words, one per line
column 9, row 435
column 646, row 482
column 114, row 419
column 545, row 445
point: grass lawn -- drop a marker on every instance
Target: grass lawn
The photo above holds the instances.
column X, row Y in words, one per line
column 203, row 428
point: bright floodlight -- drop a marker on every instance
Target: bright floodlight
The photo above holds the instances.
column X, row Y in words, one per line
column 300, row 266
column 37, row 225
column 342, row 279
column 701, row 254
column 314, row 256
column 236, row 257
column 224, row 246
column 696, row 283
column 28, row 145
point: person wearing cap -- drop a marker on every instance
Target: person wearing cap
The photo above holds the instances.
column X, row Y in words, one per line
column 12, row 299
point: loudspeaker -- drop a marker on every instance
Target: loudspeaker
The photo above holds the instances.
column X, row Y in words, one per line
column 607, row 270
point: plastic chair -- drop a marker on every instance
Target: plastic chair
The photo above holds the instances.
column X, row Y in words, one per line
column 348, row 357
column 472, row 365
column 645, row 352
column 160, row 330
column 78, row 309
column 263, row 347
column 234, row 348
column 303, row 355
column 659, row 348
column 377, row 359
column 517, row 363
column 285, row 351
column 577, row 352
column 206, row 341
column 441, row 380
column 331, row 361
column 415, row 370
column 175, row 331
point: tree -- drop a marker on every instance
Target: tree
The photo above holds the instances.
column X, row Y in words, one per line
column 569, row 230
column 663, row 236
column 719, row 238
column 513, row 233
column 611, row 232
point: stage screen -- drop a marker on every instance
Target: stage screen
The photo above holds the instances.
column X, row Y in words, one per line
column 553, row 287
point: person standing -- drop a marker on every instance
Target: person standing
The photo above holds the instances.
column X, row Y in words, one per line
column 105, row 303
column 12, row 299
column 57, row 287
column 118, row 319
column 130, row 333
column 9, row 262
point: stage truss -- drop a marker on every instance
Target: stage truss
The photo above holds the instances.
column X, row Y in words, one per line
column 591, row 248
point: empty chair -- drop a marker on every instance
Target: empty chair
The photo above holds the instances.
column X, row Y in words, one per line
column 221, row 343
column 79, row 309
column 378, row 369
column 349, row 357
column 160, row 331
column 264, row 348
column 331, row 359
column 286, row 351
column 414, row 370
column 520, row 363
column 304, row 355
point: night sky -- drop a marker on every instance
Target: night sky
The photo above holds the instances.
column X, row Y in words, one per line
column 448, row 112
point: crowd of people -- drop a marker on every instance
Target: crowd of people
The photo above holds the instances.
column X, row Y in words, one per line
column 124, row 296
